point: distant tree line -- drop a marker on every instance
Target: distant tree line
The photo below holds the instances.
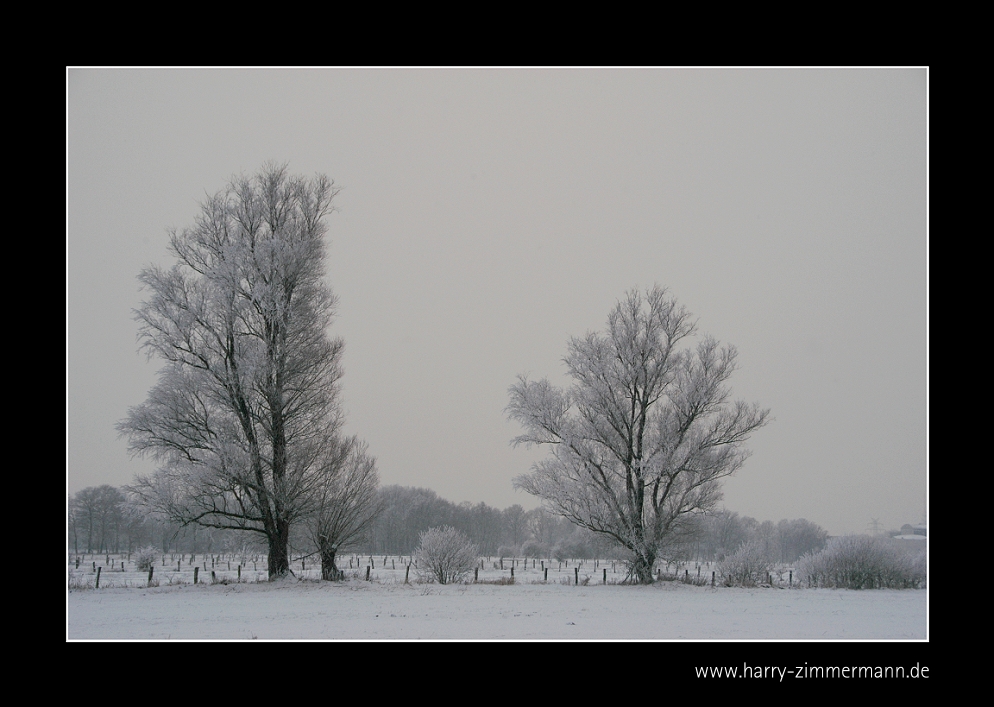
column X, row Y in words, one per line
column 722, row 533
column 409, row 511
column 104, row 519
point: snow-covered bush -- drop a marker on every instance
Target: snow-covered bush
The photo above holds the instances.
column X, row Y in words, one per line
column 749, row 565
column 145, row 558
column 862, row 562
column 445, row 555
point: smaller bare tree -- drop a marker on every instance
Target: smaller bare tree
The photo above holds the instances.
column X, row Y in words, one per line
column 346, row 501
column 445, row 555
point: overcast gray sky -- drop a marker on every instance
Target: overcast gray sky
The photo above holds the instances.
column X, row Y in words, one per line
column 488, row 215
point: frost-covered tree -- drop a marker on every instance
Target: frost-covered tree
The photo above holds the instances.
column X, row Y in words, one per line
column 642, row 439
column 345, row 502
column 445, row 555
column 248, row 396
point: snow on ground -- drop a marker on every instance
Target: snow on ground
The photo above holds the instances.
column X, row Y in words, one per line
column 360, row 610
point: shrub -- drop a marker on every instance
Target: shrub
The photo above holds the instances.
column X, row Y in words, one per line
column 862, row 562
column 145, row 557
column 749, row 565
column 445, row 555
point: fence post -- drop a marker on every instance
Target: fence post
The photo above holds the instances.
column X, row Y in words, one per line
column 605, row 575
column 576, row 575
column 407, row 572
column 545, row 571
column 476, row 574
column 367, row 571
column 196, row 573
column 97, row 585
column 712, row 578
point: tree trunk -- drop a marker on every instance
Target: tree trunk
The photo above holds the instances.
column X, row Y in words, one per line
column 329, row 571
column 279, row 555
column 642, row 567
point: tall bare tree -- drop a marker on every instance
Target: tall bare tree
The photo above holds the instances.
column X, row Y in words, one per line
column 249, row 392
column 642, row 439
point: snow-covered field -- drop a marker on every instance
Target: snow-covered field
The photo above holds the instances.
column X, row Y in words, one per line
column 528, row 610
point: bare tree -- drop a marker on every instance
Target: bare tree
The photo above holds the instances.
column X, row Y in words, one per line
column 248, row 396
column 642, row 439
column 345, row 502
